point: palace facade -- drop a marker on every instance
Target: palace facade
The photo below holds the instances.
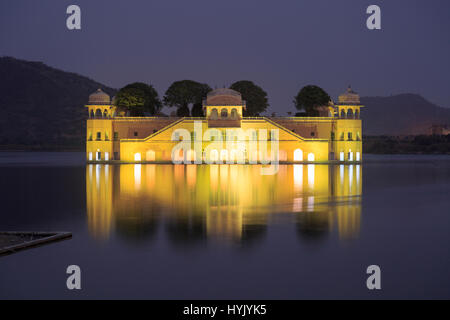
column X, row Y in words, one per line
column 224, row 135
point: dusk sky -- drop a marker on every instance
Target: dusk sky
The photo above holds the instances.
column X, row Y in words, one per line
column 280, row 45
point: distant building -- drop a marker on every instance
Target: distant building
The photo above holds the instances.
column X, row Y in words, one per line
column 440, row 129
column 224, row 134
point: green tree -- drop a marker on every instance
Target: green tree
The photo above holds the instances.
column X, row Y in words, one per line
column 309, row 98
column 197, row 110
column 138, row 99
column 255, row 97
column 182, row 94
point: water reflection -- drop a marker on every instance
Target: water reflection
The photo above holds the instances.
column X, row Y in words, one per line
column 193, row 203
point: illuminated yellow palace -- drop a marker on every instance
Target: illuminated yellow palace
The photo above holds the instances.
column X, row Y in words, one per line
column 224, row 135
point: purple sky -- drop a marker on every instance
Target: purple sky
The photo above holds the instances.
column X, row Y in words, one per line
column 280, row 45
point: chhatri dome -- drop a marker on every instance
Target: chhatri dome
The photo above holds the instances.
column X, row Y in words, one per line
column 223, row 97
column 99, row 98
column 349, row 97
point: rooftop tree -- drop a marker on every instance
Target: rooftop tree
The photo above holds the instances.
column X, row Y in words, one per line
column 255, row 97
column 309, row 98
column 138, row 99
column 182, row 94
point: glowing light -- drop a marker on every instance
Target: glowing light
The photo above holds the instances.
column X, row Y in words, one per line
column 298, row 177
column 358, row 156
column 298, row 155
column 190, row 155
column 358, row 173
column 150, row 155
column 350, row 155
column 311, row 175
column 137, row 176
column 90, row 156
column 310, row 206
column 214, row 155
column 341, row 156
column 350, row 177
column 297, row 205
column 106, row 156
column 137, row 157
column 224, row 155
column 310, row 157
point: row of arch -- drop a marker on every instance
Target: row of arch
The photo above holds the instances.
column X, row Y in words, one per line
column 224, row 114
column 222, row 156
column 99, row 113
column 349, row 114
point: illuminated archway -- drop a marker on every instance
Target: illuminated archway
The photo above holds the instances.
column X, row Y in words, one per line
column 234, row 113
column 214, row 155
column 350, row 114
column 150, row 155
column 190, row 155
column 214, row 114
column 137, row 157
column 224, row 155
column 343, row 113
column 310, row 157
column 224, row 113
column 298, row 155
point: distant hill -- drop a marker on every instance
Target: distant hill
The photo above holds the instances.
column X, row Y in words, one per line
column 42, row 106
column 401, row 114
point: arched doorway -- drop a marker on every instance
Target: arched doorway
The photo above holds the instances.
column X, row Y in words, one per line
column 224, row 113
column 191, row 156
column 350, row 114
column 298, row 155
column 150, row 155
column 224, row 155
column 214, row 114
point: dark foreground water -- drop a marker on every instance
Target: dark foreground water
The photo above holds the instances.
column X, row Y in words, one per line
column 205, row 232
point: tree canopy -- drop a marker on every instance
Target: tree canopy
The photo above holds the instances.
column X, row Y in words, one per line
column 309, row 98
column 255, row 97
column 183, row 93
column 138, row 98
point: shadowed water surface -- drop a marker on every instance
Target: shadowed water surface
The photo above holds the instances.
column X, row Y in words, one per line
column 226, row 231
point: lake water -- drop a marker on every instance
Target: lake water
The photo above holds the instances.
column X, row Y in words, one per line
column 226, row 231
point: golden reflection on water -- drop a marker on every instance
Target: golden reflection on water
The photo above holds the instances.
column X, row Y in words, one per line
column 197, row 202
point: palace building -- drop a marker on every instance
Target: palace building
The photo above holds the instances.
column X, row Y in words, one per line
column 224, row 135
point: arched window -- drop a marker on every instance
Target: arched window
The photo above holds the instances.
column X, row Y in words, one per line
column 234, row 113
column 98, row 113
column 298, row 155
column 310, row 157
column 214, row 155
column 137, row 157
column 224, row 155
column 190, row 155
column 105, row 114
column 224, row 113
column 350, row 114
column 91, row 114
column 356, row 114
column 343, row 113
column 214, row 114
